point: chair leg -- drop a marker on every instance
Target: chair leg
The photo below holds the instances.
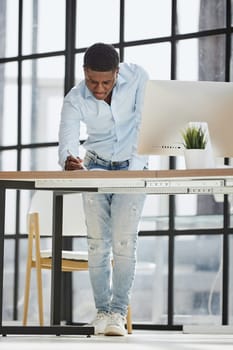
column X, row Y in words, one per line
column 129, row 320
column 38, row 269
column 40, row 296
column 26, row 294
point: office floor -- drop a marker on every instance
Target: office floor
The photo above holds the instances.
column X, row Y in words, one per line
column 146, row 340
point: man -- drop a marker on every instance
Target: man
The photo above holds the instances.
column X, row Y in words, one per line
column 109, row 102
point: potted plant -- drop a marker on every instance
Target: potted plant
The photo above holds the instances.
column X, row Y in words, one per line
column 194, row 137
column 195, row 142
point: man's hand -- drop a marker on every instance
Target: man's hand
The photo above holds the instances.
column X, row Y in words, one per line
column 73, row 163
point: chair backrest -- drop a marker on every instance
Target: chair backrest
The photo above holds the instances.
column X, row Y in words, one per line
column 73, row 213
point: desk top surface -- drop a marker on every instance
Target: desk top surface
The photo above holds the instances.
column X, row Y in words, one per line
column 115, row 174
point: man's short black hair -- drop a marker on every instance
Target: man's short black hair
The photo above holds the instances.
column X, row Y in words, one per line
column 101, row 57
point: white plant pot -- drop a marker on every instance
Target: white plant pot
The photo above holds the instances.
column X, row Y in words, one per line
column 198, row 159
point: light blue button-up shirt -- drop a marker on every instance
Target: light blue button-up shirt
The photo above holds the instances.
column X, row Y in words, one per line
column 112, row 129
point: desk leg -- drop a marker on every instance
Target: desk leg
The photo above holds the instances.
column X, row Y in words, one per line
column 2, row 232
column 56, row 260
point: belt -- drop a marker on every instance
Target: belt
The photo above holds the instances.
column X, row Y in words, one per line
column 95, row 157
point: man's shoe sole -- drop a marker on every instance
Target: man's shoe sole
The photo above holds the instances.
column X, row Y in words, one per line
column 114, row 331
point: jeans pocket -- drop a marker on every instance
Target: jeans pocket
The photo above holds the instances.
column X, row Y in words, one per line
column 88, row 162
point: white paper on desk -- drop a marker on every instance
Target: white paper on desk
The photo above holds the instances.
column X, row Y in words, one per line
column 98, row 169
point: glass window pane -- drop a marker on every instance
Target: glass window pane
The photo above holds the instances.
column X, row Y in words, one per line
column 147, row 19
column 186, row 205
column 42, row 97
column 9, row 27
column 79, row 75
column 8, row 280
column 188, row 15
column 43, row 26
column 201, row 59
column 10, row 212
column 25, row 198
column 8, row 160
column 202, row 211
column 155, row 213
column 155, row 59
column 197, row 282
column 83, row 301
column 196, row 15
column 150, row 285
column 8, row 104
column 97, row 21
column 187, row 59
column 40, row 159
column 189, row 222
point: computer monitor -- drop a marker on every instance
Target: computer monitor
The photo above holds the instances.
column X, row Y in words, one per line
column 169, row 106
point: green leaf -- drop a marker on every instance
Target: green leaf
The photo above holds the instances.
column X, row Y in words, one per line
column 194, row 138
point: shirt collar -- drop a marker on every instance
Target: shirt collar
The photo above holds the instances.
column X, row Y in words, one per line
column 120, row 80
column 87, row 92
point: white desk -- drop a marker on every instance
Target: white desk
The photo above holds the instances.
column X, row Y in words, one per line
column 216, row 181
column 203, row 181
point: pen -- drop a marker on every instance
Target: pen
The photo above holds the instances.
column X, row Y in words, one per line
column 75, row 157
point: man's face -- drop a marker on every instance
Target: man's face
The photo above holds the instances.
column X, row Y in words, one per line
column 100, row 83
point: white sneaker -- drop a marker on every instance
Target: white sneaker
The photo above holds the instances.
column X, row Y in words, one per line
column 100, row 322
column 115, row 325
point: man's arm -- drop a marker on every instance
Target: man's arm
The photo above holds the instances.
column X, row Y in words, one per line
column 69, row 137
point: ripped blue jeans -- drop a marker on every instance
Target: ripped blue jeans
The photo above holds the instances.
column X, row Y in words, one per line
column 112, row 226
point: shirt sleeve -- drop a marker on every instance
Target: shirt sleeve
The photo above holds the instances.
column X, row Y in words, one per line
column 69, row 130
column 139, row 162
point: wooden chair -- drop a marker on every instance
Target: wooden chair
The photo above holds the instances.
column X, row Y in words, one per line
column 41, row 207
